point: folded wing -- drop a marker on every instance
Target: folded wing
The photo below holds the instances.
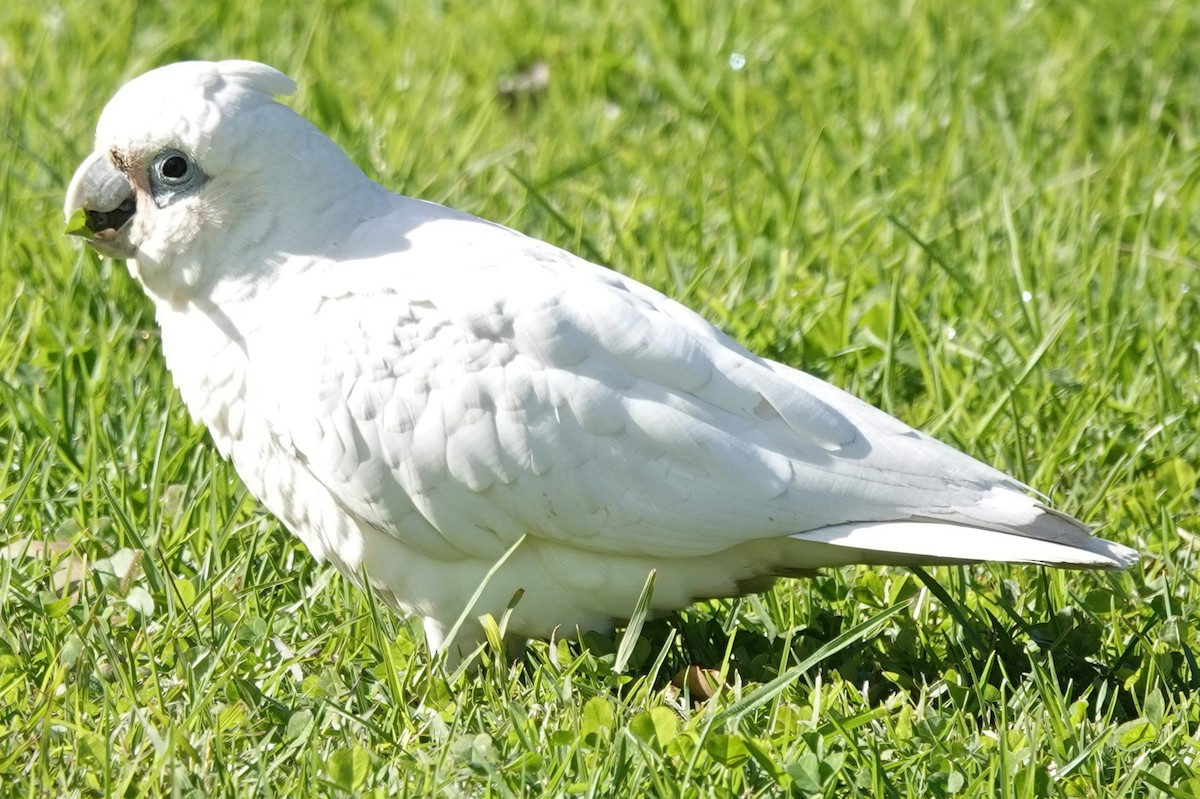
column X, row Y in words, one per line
column 510, row 388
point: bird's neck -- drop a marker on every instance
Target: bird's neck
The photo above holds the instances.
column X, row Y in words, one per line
column 206, row 349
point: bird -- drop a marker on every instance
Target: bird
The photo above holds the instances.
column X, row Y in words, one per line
column 467, row 420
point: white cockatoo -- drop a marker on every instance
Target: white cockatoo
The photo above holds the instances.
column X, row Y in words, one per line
column 416, row 392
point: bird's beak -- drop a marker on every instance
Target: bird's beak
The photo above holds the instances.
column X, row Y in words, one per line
column 100, row 202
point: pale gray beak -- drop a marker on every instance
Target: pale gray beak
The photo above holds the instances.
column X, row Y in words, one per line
column 100, row 202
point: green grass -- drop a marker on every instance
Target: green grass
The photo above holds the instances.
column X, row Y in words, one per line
column 982, row 218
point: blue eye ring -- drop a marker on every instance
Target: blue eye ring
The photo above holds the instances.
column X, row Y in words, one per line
column 174, row 174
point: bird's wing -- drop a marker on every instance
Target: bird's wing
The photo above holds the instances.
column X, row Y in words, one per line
column 477, row 385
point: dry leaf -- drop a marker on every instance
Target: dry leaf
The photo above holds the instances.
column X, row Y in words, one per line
column 702, row 683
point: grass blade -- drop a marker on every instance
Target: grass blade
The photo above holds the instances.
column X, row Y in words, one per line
column 768, row 691
column 636, row 620
column 483, row 584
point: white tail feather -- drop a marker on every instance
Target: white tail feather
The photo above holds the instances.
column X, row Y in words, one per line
column 925, row 542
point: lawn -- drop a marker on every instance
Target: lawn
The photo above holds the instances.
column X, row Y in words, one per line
column 982, row 218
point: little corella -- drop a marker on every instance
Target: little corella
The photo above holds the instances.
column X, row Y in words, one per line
column 419, row 394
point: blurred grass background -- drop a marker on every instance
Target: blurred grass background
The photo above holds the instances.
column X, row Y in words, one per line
column 980, row 217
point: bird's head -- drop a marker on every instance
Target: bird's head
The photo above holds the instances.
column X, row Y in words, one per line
column 195, row 165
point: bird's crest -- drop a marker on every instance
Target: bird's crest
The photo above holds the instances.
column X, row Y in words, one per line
column 256, row 76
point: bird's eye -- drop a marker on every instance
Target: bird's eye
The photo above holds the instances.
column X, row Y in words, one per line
column 174, row 174
column 173, row 168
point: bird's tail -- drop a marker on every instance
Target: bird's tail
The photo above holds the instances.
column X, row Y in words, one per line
column 919, row 542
